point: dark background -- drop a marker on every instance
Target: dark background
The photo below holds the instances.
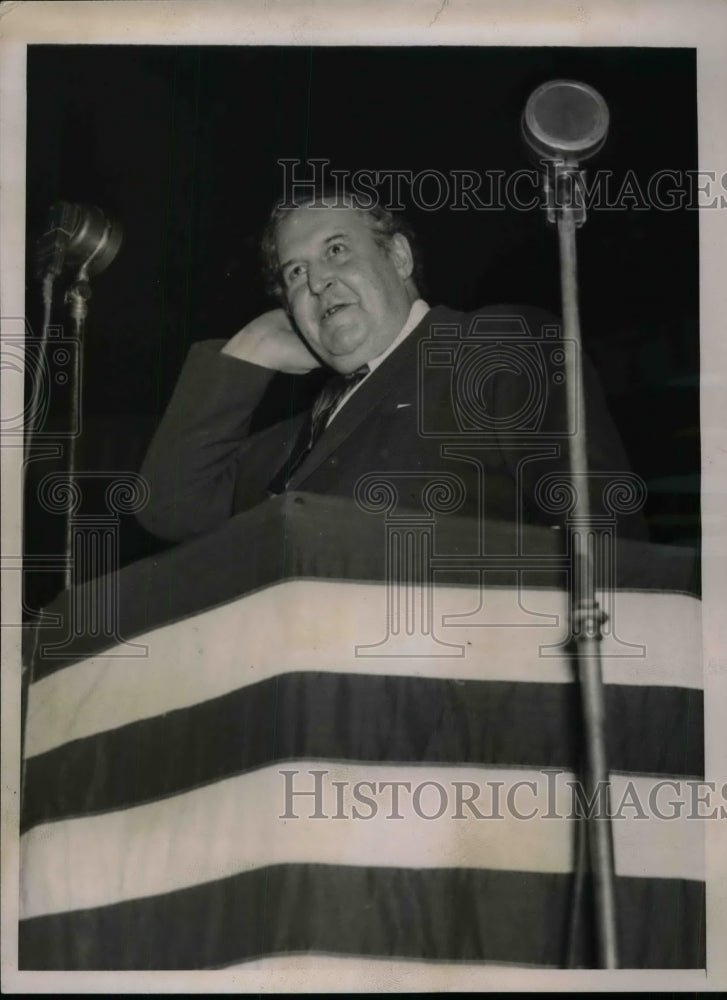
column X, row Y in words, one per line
column 181, row 145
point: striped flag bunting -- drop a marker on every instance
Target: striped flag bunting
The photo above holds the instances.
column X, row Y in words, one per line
column 254, row 763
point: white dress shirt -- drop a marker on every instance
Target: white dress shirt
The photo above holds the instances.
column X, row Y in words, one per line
column 417, row 313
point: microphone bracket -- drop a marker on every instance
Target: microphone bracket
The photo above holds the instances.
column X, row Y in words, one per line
column 76, row 298
column 564, row 186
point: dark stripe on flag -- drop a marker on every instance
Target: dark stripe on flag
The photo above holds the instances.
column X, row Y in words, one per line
column 396, row 720
column 454, row 915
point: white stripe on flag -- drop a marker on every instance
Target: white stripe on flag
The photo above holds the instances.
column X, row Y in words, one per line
column 235, row 825
column 316, row 625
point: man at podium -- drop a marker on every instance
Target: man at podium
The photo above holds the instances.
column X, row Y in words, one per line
column 354, row 373
column 171, row 816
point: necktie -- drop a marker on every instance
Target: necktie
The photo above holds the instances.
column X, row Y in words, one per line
column 326, row 402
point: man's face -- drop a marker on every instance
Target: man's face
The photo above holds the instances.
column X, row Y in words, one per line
column 348, row 296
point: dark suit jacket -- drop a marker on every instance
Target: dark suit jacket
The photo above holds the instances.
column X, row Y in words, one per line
column 480, row 396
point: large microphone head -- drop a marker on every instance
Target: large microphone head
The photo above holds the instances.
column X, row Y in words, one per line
column 565, row 120
column 80, row 236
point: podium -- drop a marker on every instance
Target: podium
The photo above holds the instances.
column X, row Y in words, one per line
column 329, row 729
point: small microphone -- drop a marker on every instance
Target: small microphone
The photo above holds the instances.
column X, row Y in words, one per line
column 565, row 120
column 81, row 236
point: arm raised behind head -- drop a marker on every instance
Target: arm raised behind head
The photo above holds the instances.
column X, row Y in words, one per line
column 272, row 341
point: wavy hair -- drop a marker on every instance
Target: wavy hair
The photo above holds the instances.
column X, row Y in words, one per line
column 384, row 225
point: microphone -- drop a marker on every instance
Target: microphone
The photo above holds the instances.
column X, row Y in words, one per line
column 565, row 120
column 80, row 236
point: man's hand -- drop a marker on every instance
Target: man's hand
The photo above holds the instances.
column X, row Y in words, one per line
column 270, row 341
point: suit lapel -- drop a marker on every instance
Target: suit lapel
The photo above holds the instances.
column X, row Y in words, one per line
column 398, row 371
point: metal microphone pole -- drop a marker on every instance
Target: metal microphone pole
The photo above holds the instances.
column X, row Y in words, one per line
column 566, row 208
column 587, row 617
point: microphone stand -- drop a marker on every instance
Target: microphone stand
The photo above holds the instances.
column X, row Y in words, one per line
column 75, row 233
column 76, row 298
column 566, row 208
